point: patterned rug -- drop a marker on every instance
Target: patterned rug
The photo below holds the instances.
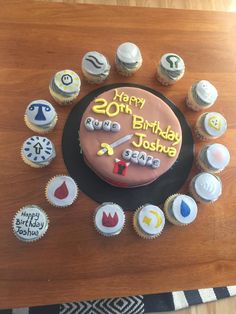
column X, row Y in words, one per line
column 141, row 304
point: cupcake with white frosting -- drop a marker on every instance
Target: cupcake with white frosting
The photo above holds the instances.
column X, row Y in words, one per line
column 201, row 95
column 213, row 158
column 205, row 187
column 210, row 125
column 128, row 59
column 170, row 69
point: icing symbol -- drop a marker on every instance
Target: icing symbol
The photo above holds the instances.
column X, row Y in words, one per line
column 62, row 191
column 38, row 147
column 147, row 220
column 94, row 61
column 109, row 221
column 173, row 61
column 40, row 115
column 120, row 167
column 66, row 79
column 215, row 123
column 184, row 209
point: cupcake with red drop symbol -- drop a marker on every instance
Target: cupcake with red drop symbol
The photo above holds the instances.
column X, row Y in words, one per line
column 61, row 191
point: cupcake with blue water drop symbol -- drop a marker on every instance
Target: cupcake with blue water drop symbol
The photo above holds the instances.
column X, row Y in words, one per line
column 180, row 209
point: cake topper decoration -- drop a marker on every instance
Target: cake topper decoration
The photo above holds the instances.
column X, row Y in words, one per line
column 108, row 148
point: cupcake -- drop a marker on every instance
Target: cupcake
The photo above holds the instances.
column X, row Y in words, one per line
column 148, row 221
column 109, row 219
column 213, row 158
column 95, row 67
column 170, row 69
column 38, row 151
column 40, row 116
column 210, row 125
column 201, row 95
column 65, row 87
column 205, row 187
column 30, row 223
column 180, row 209
column 61, row 191
column 128, row 59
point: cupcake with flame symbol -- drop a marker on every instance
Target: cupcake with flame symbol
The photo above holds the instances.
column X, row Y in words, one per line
column 109, row 219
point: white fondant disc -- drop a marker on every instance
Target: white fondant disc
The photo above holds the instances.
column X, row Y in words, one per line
column 40, row 112
column 38, row 149
column 218, row 156
column 30, row 223
column 151, row 219
column 129, row 53
column 184, row 209
column 61, row 191
column 206, row 91
column 67, row 81
column 95, row 63
column 207, row 186
column 109, row 218
column 172, row 62
column 215, row 124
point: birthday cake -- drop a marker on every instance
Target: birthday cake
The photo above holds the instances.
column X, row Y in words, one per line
column 129, row 137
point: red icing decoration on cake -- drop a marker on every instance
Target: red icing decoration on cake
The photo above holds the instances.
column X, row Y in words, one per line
column 62, row 191
column 108, row 220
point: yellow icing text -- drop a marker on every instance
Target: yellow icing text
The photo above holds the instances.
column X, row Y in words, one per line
column 153, row 146
column 130, row 100
column 154, row 126
column 111, row 109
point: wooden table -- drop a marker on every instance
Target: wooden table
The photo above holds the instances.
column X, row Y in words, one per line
column 72, row 262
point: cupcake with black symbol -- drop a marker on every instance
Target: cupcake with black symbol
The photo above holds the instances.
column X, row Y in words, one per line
column 210, row 125
column 95, row 67
column 109, row 219
column 30, row 223
column 170, row 69
column 128, row 59
column 201, row 95
column 213, row 158
column 205, row 187
column 180, row 209
column 61, row 191
column 38, row 151
column 64, row 87
column 40, row 116
column 149, row 221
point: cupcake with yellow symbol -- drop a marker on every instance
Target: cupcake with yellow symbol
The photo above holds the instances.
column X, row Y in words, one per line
column 210, row 125
column 65, row 87
column 148, row 221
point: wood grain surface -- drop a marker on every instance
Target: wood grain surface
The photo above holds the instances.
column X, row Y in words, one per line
column 72, row 262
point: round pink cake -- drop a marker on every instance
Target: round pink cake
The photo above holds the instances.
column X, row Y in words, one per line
column 129, row 137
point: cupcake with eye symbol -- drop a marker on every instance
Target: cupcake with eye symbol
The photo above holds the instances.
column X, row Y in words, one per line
column 40, row 116
column 95, row 67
